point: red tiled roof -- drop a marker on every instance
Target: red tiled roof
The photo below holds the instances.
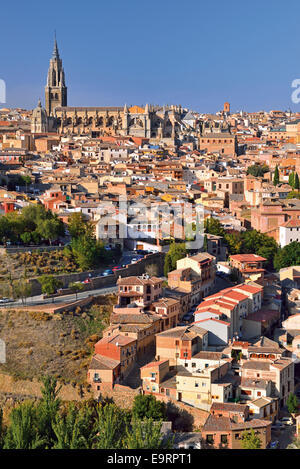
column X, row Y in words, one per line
column 248, row 258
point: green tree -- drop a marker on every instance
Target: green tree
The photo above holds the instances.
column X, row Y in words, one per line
column 292, row 179
column 176, row 251
column 249, row 440
column 292, row 403
column 297, row 184
column 76, row 287
column 147, row 406
column 5, row 228
column 234, row 242
column 205, row 243
column 111, row 426
column 48, row 408
column 26, row 237
column 49, row 284
column 214, row 227
column 146, row 434
column 276, row 176
column 22, row 431
column 259, row 243
column 87, row 251
column 287, row 256
column 69, row 430
column 167, row 265
column 258, row 170
column 21, row 289
column 77, row 225
column 49, row 229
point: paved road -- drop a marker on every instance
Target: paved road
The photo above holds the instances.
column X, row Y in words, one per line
column 285, row 436
column 38, row 300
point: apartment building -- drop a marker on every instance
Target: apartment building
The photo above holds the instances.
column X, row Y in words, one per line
column 180, row 342
column 204, row 265
column 224, row 313
column 248, row 267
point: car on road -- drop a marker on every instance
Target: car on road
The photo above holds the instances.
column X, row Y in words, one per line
column 5, row 300
column 107, row 272
column 136, row 258
column 287, row 421
column 87, row 280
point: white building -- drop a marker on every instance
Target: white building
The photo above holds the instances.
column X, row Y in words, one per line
column 289, row 232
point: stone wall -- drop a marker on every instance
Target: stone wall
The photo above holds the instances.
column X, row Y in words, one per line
column 137, row 268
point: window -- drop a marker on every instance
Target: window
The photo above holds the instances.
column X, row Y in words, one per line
column 224, row 439
column 196, row 385
column 209, row 439
column 193, row 365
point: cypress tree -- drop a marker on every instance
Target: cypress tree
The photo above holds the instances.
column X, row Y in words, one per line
column 292, row 179
column 276, row 176
column 297, row 185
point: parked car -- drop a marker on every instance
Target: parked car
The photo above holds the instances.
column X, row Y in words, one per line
column 107, row 272
column 116, row 267
column 5, row 300
column 287, row 421
column 274, row 444
column 87, row 280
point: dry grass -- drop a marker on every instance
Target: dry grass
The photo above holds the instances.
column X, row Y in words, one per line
column 37, row 344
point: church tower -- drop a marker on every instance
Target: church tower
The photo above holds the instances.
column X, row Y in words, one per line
column 55, row 90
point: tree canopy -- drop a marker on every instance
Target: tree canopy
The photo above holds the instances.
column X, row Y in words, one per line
column 258, row 170
column 250, row 440
column 53, row 424
column 147, row 406
column 292, row 403
column 176, row 251
column 32, row 223
column 287, row 256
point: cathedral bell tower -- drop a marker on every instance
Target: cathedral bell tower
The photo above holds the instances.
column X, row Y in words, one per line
column 55, row 90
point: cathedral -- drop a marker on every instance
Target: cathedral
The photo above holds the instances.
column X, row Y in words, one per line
column 151, row 122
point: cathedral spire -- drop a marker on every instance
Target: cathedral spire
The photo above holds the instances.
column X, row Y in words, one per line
column 55, row 54
column 55, row 90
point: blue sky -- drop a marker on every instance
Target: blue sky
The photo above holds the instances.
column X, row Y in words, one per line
column 190, row 52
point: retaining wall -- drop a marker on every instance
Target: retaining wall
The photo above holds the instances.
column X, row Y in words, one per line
column 138, row 268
